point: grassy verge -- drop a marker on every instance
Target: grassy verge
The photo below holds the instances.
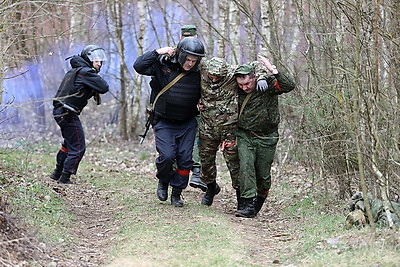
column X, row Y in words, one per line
column 324, row 240
column 30, row 200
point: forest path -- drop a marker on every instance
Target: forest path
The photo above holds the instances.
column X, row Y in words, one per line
column 267, row 236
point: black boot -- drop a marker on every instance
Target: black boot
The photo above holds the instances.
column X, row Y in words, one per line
column 176, row 197
column 64, row 178
column 162, row 191
column 258, row 203
column 248, row 211
column 195, row 180
column 240, row 201
column 56, row 174
column 212, row 190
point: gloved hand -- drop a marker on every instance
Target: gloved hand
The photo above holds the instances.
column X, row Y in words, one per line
column 262, row 85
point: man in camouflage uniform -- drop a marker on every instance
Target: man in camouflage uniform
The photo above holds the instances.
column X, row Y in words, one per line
column 218, row 125
column 257, row 134
column 358, row 215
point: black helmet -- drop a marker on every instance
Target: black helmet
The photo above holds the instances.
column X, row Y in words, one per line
column 93, row 53
column 189, row 46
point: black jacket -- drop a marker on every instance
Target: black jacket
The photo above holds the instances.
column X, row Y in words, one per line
column 180, row 101
column 79, row 85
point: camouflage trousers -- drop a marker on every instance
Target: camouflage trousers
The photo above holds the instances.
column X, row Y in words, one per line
column 256, row 155
column 211, row 139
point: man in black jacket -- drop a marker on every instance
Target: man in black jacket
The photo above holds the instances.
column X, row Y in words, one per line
column 175, row 110
column 78, row 86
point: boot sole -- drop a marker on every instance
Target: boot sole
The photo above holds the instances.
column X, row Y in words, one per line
column 201, row 187
column 244, row 216
column 68, row 182
column 178, row 205
column 162, row 199
column 218, row 190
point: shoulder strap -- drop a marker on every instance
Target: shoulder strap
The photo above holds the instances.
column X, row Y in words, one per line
column 177, row 78
column 244, row 103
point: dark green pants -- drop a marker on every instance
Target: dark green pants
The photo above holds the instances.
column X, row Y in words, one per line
column 256, row 155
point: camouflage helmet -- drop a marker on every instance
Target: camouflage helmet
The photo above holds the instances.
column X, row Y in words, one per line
column 188, row 30
column 217, row 67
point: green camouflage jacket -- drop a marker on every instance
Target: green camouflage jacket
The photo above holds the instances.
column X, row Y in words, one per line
column 220, row 100
column 261, row 113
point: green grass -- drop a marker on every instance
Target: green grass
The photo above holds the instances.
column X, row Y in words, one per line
column 176, row 235
column 158, row 234
column 324, row 241
column 32, row 201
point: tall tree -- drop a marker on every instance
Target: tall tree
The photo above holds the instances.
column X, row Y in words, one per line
column 116, row 15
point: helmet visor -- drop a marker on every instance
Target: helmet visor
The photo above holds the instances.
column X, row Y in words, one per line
column 97, row 55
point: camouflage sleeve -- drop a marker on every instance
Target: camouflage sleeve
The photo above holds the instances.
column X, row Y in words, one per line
column 280, row 83
column 203, row 62
column 260, row 70
column 203, row 68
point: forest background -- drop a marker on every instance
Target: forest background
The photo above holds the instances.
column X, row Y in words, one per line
column 342, row 121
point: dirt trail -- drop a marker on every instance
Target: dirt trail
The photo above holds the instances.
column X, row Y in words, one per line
column 268, row 234
column 95, row 227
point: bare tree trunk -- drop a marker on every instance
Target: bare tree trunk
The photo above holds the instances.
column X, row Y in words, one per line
column 382, row 180
column 266, row 38
column 223, row 25
column 357, row 126
column 273, row 44
column 78, row 20
column 394, row 72
column 116, row 16
column 234, row 22
column 137, row 108
column 208, row 33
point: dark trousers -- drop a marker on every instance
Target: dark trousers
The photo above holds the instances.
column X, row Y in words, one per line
column 174, row 144
column 73, row 146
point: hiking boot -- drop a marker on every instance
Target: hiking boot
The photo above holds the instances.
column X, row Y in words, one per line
column 212, row 190
column 56, row 174
column 240, row 201
column 195, row 180
column 64, row 178
column 258, row 203
column 248, row 210
column 162, row 191
column 176, row 197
